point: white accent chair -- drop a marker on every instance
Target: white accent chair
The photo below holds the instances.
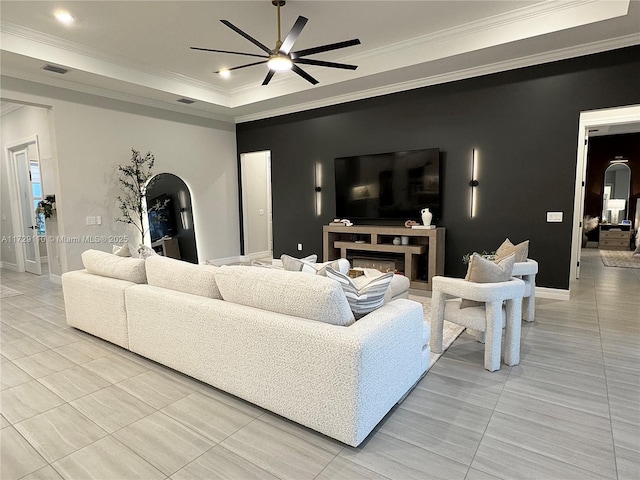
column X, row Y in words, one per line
column 489, row 318
column 527, row 271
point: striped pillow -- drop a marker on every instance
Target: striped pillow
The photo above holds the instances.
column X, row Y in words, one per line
column 364, row 294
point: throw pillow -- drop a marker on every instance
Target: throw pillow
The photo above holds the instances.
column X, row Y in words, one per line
column 507, row 248
column 121, row 251
column 295, row 264
column 482, row 270
column 108, row 265
column 364, row 294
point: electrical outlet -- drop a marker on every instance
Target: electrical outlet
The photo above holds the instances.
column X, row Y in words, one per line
column 299, row 247
column 554, row 217
column 99, row 220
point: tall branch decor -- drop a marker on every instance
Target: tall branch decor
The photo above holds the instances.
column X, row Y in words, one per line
column 134, row 180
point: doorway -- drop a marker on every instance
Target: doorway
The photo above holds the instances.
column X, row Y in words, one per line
column 26, row 190
column 591, row 120
column 257, row 217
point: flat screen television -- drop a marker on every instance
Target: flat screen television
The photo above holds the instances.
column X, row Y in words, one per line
column 161, row 221
column 388, row 186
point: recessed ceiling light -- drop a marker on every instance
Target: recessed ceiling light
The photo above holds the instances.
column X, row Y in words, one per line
column 224, row 73
column 64, row 17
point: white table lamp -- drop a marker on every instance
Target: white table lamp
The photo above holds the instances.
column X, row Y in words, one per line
column 614, row 205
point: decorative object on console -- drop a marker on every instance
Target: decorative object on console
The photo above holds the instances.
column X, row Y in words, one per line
column 426, row 216
column 410, row 223
column 397, row 241
column 341, row 223
column 404, row 240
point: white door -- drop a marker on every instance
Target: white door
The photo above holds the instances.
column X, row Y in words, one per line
column 255, row 174
column 28, row 236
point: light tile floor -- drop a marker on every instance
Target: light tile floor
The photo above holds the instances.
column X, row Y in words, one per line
column 76, row 407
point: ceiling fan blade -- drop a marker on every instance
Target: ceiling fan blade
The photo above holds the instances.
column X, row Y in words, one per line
column 247, row 36
column 320, row 63
column 304, row 74
column 269, row 76
column 227, row 51
column 243, row 66
column 293, row 35
column 325, row 48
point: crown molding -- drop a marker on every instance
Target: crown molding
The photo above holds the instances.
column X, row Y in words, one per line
column 512, row 64
column 113, row 95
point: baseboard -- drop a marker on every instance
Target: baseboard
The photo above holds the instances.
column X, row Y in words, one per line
column 552, row 293
column 57, row 279
column 9, row 266
column 44, row 260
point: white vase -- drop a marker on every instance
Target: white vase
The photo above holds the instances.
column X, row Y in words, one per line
column 426, row 216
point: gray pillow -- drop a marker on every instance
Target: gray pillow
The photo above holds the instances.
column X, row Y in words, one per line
column 296, row 264
column 481, row 270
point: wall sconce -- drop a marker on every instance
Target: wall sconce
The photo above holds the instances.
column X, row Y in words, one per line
column 474, row 181
column 184, row 215
column 318, row 188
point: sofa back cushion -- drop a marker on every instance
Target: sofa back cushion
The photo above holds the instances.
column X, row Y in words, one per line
column 307, row 296
column 110, row 265
column 182, row 276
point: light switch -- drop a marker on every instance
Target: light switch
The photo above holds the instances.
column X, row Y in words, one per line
column 554, row 217
column 99, row 220
column 261, row 211
column 91, row 220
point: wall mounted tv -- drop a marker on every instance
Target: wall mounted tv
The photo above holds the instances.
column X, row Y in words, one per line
column 388, row 186
column 161, row 221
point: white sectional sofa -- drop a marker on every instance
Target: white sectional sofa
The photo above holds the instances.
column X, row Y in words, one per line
column 285, row 341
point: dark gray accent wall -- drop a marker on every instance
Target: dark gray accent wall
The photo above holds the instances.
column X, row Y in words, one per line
column 524, row 124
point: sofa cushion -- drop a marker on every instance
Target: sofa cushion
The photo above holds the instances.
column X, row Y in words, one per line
column 182, row 276
column 307, row 296
column 364, row 294
column 110, row 265
column 482, row 270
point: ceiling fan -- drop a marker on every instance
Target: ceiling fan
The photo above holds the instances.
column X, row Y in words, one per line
column 281, row 57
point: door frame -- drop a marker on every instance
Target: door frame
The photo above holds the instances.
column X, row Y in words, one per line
column 248, row 256
column 591, row 119
column 14, row 194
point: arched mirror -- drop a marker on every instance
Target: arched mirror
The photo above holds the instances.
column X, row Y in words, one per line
column 615, row 198
column 171, row 226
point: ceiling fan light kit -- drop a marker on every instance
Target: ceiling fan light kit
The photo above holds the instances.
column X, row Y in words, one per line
column 281, row 58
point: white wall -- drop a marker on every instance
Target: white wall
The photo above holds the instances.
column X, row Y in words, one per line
column 92, row 135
